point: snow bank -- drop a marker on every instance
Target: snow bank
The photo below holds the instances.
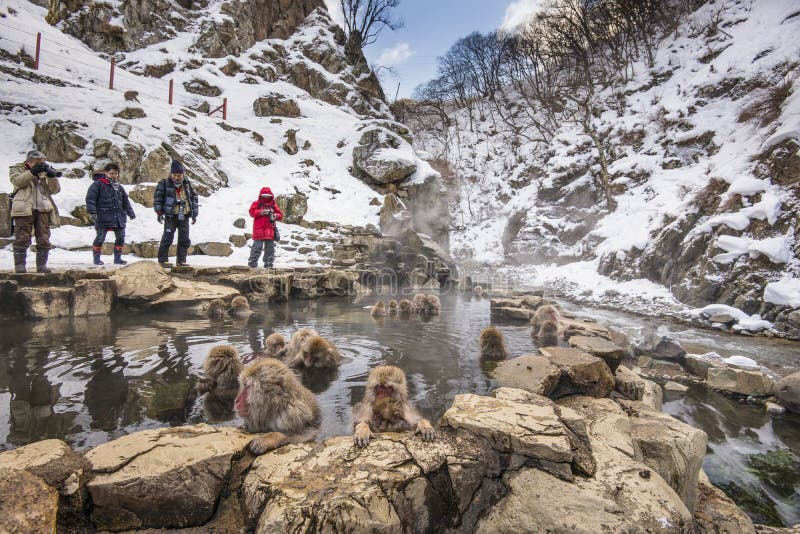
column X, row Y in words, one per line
column 784, row 292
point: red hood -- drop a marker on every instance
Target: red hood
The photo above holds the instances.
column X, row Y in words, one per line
column 265, row 191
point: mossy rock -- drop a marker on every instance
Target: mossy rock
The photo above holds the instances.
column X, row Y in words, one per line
column 779, row 468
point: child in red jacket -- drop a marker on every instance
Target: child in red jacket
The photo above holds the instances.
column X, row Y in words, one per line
column 264, row 212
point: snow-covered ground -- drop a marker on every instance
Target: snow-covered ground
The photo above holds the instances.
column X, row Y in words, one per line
column 321, row 171
column 669, row 110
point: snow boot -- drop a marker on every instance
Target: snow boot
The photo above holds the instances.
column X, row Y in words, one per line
column 41, row 262
column 96, row 251
column 19, row 261
column 118, row 256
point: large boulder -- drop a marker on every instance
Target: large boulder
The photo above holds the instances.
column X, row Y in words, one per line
column 581, row 374
column 673, row 449
column 129, row 158
column 275, row 105
column 141, row 282
column 716, row 513
column 52, row 460
column 186, row 292
column 28, row 503
column 93, row 297
column 634, row 387
column 531, row 373
column 294, row 207
column 46, row 302
column 59, row 140
column 165, row 478
column 143, row 194
column 788, row 391
column 383, row 157
column 394, row 216
column 213, row 248
column 155, row 166
column 604, row 349
column 532, row 430
column 699, row 364
column 740, row 381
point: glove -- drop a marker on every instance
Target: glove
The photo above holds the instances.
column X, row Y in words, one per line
column 160, row 218
column 39, row 168
column 133, row 217
column 194, row 220
column 264, row 212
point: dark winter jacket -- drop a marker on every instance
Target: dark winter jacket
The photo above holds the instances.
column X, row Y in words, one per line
column 108, row 203
column 166, row 193
column 263, row 228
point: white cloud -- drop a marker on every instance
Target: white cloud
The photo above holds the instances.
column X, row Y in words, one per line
column 335, row 10
column 518, row 13
column 397, row 55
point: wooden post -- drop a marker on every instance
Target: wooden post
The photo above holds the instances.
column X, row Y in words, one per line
column 38, row 46
column 225, row 108
column 170, row 91
column 111, row 75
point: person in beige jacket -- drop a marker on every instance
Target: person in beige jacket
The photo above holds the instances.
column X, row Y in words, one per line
column 32, row 208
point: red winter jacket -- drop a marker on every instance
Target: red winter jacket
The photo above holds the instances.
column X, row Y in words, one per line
column 262, row 226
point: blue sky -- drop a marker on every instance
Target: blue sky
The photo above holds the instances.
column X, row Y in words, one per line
column 431, row 27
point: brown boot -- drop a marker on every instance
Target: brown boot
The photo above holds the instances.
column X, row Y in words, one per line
column 19, row 261
column 41, row 262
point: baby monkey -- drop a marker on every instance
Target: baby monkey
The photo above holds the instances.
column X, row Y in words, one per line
column 492, row 344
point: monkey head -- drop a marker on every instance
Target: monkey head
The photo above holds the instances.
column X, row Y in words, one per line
column 387, row 381
column 274, row 345
column 222, row 366
column 216, row 309
column 319, row 352
column 239, row 303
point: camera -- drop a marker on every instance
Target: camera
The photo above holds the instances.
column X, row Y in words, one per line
column 181, row 215
column 271, row 215
column 52, row 173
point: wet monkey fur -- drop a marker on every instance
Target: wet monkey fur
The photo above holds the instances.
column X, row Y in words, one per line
column 273, row 403
column 387, row 396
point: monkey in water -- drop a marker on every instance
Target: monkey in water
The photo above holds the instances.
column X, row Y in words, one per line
column 548, row 334
column 317, row 352
column 430, row 305
column 221, row 368
column 544, row 313
column 392, row 307
column 478, row 291
column 419, row 300
column 275, row 346
column 387, row 395
column 240, row 307
column 492, row 345
column 378, row 310
column 216, row 309
column 296, row 343
column 274, row 404
column 406, row 307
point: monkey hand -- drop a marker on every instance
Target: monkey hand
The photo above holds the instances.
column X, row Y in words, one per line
column 206, row 385
column 267, row 442
column 425, row 430
column 362, row 435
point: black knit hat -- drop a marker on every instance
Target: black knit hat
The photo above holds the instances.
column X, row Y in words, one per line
column 176, row 167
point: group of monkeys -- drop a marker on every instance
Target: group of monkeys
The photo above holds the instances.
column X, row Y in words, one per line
column 426, row 305
column 544, row 328
column 275, row 405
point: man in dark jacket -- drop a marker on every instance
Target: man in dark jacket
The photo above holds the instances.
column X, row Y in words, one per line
column 108, row 204
column 175, row 202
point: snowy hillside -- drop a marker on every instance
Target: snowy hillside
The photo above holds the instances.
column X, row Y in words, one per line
column 306, row 83
column 703, row 151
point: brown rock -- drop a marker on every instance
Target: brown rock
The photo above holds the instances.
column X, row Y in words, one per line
column 277, row 106
column 27, row 504
column 143, row 194
column 142, row 281
column 93, row 297
column 531, row 373
column 602, row 348
column 740, row 381
column 581, row 373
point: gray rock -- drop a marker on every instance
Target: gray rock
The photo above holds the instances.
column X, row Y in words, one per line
column 788, row 392
column 277, row 106
column 131, row 113
column 212, row 248
column 394, row 216
column 740, row 381
column 155, row 166
column 93, row 297
column 201, row 87
column 604, row 349
column 101, row 147
column 675, row 388
column 699, row 364
column 121, row 129
column 715, row 512
column 28, row 503
column 129, row 159
column 723, row 318
column 59, row 140
column 371, row 163
column 293, row 206
column 142, row 282
column 581, row 373
column 669, row 350
column 143, row 194
column 239, row 223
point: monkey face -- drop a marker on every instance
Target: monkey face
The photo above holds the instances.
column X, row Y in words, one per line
column 384, row 391
column 240, row 404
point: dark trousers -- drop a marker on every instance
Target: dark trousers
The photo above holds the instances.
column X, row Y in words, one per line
column 268, row 245
column 119, row 236
column 170, row 225
column 37, row 224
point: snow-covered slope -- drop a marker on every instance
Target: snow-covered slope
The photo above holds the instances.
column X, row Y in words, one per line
column 704, row 162
column 235, row 158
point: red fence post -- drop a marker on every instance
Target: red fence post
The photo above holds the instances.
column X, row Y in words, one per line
column 225, row 108
column 111, row 76
column 170, row 92
column 38, row 46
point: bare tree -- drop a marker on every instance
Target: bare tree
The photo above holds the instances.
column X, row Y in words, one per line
column 364, row 19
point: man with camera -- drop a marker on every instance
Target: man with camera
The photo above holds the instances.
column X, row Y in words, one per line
column 32, row 208
column 175, row 203
column 264, row 212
